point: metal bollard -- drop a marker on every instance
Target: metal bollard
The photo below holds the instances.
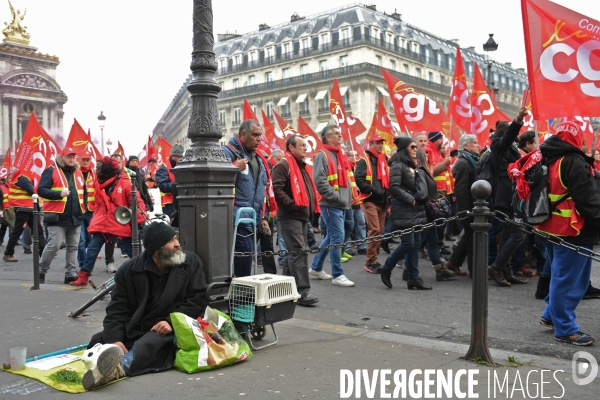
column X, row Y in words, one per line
column 35, row 233
column 481, row 190
column 135, row 242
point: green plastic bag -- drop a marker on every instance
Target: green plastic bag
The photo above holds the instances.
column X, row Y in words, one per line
column 207, row 343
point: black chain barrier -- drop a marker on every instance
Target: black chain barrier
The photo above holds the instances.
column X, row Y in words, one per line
column 460, row 216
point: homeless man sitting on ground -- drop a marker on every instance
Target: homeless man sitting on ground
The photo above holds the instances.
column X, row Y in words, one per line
column 137, row 336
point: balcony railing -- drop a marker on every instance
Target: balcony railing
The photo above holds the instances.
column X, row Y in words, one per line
column 323, row 110
column 286, row 114
column 304, row 112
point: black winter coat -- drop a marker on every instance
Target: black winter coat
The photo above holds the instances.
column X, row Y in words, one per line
column 504, row 152
column 72, row 215
column 402, row 186
column 379, row 195
column 465, row 175
column 185, row 292
column 583, row 187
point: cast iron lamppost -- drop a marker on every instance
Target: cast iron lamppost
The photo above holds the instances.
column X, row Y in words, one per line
column 490, row 47
column 101, row 119
column 205, row 177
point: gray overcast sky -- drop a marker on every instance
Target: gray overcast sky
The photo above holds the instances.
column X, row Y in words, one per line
column 129, row 58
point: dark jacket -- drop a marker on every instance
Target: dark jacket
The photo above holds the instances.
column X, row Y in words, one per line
column 504, row 152
column 583, row 187
column 142, row 188
column 164, row 183
column 248, row 193
column 72, row 215
column 379, row 195
column 465, row 174
column 24, row 183
column 286, row 207
column 402, row 186
column 126, row 314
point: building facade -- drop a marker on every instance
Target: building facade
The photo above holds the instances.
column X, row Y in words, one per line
column 27, row 85
column 290, row 68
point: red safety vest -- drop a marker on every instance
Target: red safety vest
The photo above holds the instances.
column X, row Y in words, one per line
column 368, row 178
column 167, row 198
column 17, row 197
column 59, row 183
column 565, row 220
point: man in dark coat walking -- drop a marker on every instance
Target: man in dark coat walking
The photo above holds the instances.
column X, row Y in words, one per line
column 161, row 280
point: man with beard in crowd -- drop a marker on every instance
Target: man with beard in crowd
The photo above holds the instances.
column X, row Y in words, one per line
column 138, row 337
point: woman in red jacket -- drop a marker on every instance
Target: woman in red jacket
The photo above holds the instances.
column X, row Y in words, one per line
column 113, row 189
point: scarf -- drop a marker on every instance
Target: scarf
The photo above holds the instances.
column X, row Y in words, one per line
column 597, row 166
column 517, row 170
column 382, row 169
column 343, row 164
column 472, row 158
column 269, row 188
column 434, row 155
column 299, row 192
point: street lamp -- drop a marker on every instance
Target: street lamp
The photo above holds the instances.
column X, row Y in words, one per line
column 108, row 144
column 101, row 119
column 490, row 47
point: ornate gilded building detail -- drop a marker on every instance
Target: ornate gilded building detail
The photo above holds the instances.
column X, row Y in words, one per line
column 15, row 31
column 31, row 81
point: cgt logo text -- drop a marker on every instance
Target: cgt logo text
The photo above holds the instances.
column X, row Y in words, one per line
column 436, row 384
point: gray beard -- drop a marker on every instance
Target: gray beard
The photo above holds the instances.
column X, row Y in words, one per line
column 171, row 258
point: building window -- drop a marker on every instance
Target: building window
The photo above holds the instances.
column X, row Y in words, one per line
column 252, row 56
column 450, row 63
column 495, row 75
column 304, row 69
column 324, row 38
column 222, row 64
column 236, row 83
column 286, row 48
column 392, row 65
column 427, row 55
column 378, row 60
column 403, row 41
column 270, row 52
column 405, row 69
column 390, row 38
column 251, row 80
column 237, row 115
column 345, row 34
column 323, row 65
column 346, row 99
column 270, row 109
column 286, row 110
column 324, row 104
column 470, row 70
column 304, row 107
column 222, row 117
column 418, row 72
column 236, row 60
column 268, row 77
column 430, row 74
column 305, row 43
column 343, row 61
column 286, row 73
column 439, row 59
column 517, row 85
column 503, row 80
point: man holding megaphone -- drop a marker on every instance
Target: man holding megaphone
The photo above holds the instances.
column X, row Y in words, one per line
column 113, row 190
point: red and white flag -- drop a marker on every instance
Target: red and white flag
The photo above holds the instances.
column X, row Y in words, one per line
column 385, row 129
column 274, row 141
column 563, row 60
column 313, row 142
column 163, row 151
column 120, row 150
column 6, row 165
column 78, row 142
column 36, row 152
column 483, row 111
column 459, row 106
column 349, row 126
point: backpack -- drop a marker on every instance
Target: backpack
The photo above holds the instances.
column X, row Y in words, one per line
column 538, row 208
column 421, row 193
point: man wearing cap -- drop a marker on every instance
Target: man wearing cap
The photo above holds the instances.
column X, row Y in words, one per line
column 137, row 335
column 89, row 200
column 113, row 189
column 373, row 181
column 165, row 180
column 61, row 185
column 133, row 164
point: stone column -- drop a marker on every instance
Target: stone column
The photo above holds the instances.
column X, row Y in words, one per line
column 45, row 122
column 60, row 114
column 53, row 118
column 205, row 176
column 6, row 126
column 15, row 128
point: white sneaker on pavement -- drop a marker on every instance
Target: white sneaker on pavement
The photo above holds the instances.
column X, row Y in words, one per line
column 110, row 268
column 342, row 281
column 319, row 274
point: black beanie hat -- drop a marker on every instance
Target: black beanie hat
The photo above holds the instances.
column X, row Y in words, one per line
column 402, row 142
column 156, row 235
column 133, row 158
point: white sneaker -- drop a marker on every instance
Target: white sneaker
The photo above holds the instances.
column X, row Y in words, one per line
column 103, row 365
column 319, row 274
column 342, row 281
column 110, row 268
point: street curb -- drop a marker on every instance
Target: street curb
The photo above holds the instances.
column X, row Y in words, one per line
column 500, row 356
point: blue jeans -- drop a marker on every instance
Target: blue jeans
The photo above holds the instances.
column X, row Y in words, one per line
column 334, row 219
column 430, row 236
column 281, row 243
column 84, row 237
column 98, row 240
column 409, row 250
column 570, row 280
column 310, row 236
column 358, row 225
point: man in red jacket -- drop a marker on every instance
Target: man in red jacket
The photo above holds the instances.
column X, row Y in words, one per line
column 113, row 189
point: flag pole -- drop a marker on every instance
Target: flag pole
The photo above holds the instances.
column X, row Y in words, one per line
column 537, row 134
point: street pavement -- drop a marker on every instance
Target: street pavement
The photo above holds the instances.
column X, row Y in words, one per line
column 366, row 327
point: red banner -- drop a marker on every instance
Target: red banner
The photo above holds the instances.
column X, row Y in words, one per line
column 120, row 150
column 78, row 141
column 385, row 129
column 563, row 60
column 6, row 165
column 36, row 152
column 349, row 126
column 414, row 111
column 313, row 142
column 459, row 106
column 163, row 151
column 273, row 141
column 483, row 111
column 248, row 112
column 370, row 133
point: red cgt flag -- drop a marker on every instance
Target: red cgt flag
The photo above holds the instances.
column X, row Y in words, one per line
column 563, row 60
column 370, row 133
column 286, row 129
column 385, row 129
column 348, row 125
column 120, row 150
column 273, row 140
column 163, row 151
column 414, row 111
column 36, row 152
column 6, row 165
column 459, row 106
column 248, row 112
column 483, row 110
column 78, row 141
column 313, row 142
